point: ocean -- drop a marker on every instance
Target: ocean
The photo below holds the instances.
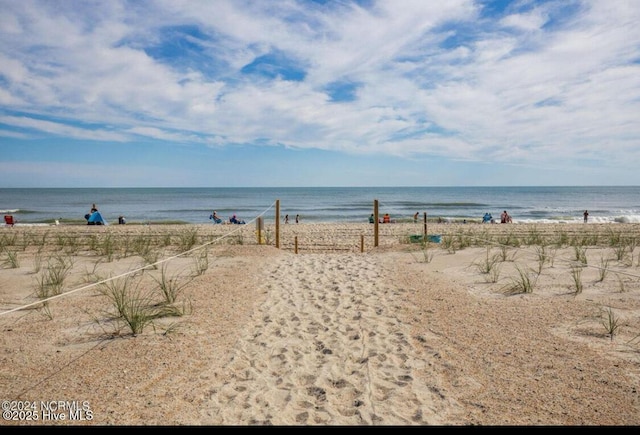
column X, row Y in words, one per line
column 606, row 204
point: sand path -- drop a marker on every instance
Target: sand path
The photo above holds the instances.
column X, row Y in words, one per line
column 324, row 349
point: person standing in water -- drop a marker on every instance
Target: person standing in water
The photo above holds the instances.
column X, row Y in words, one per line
column 586, row 216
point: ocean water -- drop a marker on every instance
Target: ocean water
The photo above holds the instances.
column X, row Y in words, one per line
column 606, row 204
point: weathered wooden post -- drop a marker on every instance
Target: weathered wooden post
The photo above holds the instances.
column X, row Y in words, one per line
column 277, row 223
column 375, row 223
column 295, row 249
column 259, row 229
column 425, row 226
column 361, row 242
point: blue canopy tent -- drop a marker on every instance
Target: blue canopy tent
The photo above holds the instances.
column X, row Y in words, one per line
column 95, row 218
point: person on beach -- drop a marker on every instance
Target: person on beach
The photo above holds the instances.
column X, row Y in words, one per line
column 586, row 216
column 505, row 218
column 216, row 219
column 234, row 220
column 95, row 218
column 386, row 219
column 94, row 209
column 297, row 218
column 415, row 217
column 372, row 219
column 286, row 219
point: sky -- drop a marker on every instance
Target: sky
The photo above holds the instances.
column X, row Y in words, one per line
column 239, row 93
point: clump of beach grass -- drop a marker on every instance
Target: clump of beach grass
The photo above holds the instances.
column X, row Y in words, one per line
column 610, row 321
column 562, row 239
column 51, row 281
column 603, row 269
column 580, row 254
column 576, row 274
column 141, row 245
column 488, row 262
column 615, row 237
column 427, row 253
column 620, row 252
column 135, row 307
column 448, row 243
column 523, row 283
column 624, row 252
column 621, row 286
column 584, row 240
column 268, row 237
column 187, row 239
column 92, row 275
column 464, row 241
column 504, row 253
column 494, row 275
column 10, row 261
column 37, row 262
column 68, row 245
column 170, row 286
column 542, row 256
column 41, row 241
column 126, row 246
column 151, row 257
column 52, row 278
column 107, row 247
column 166, row 240
column 8, row 240
column 201, row 262
column 490, row 265
column 509, row 239
column 238, row 239
column 534, row 238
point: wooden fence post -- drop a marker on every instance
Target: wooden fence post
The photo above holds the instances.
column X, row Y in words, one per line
column 425, row 225
column 259, row 229
column 375, row 223
column 277, row 223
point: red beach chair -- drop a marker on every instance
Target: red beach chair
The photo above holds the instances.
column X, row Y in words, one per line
column 8, row 220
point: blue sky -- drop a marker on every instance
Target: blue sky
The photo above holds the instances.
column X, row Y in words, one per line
column 319, row 93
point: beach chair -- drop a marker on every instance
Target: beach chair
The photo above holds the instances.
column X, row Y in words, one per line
column 8, row 220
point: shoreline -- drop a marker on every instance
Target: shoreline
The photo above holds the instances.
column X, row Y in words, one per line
column 339, row 204
column 430, row 221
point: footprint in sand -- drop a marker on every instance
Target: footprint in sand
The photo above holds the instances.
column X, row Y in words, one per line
column 325, row 348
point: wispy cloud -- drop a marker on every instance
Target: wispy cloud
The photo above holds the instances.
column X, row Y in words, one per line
column 523, row 82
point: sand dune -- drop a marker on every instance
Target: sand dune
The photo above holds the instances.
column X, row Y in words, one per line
column 400, row 334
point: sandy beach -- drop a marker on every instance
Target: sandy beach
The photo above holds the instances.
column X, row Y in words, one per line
column 512, row 324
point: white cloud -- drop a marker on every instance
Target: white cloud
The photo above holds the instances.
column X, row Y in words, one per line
column 534, row 85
